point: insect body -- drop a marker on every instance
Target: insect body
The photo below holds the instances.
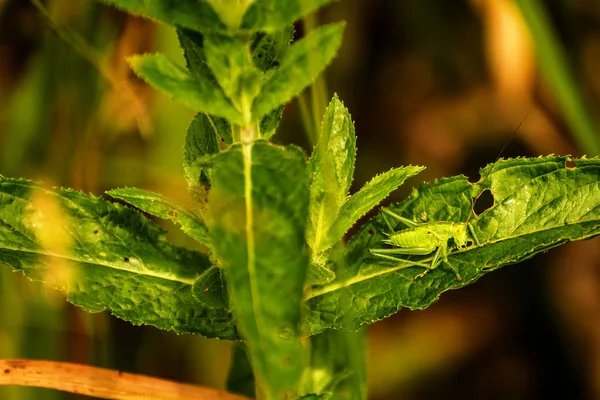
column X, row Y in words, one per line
column 423, row 239
column 437, row 238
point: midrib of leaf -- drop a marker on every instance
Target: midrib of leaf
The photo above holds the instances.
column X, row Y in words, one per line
column 256, row 304
column 41, row 251
column 173, row 278
column 319, row 230
column 212, row 123
column 349, row 282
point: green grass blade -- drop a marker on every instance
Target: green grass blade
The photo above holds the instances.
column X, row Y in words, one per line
column 193, row 14
column 201, row 94
column 163, row 207
column 555, row 67
column 300, row 66
column 539, row 203
column 274, row 15
column 105, row 256
column 259, row 206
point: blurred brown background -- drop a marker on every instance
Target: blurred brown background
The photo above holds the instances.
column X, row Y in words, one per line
column 436, row 83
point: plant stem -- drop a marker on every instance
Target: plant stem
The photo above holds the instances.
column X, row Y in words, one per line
column 318, row 90
column 307, row 120
column 100, row 382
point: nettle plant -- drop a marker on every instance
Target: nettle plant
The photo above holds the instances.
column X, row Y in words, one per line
column 276, row 276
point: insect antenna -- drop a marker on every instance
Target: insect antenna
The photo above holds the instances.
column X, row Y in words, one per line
column 511, row 137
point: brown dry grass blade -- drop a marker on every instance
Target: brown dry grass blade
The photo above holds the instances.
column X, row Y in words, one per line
column 100, row 382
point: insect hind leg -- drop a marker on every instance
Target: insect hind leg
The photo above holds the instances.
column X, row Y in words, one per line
column 405, row 221
column 409, row 263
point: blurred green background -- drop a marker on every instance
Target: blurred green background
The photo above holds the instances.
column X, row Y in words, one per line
column 436, row 83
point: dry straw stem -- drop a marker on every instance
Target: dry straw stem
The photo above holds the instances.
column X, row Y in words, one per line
column 100, row 382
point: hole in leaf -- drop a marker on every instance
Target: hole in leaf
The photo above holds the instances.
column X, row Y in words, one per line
column 126, row 259
column 473, row 178
column 570, row 164
column 173, row 214
column 96, row 231
column 483, row 202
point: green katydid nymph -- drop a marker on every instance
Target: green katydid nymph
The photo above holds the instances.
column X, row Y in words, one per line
column 437, row 238
column 425, row 239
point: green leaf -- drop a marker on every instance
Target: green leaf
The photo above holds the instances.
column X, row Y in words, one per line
column 539, row 203
column 366, row 198
column 270, row 122
column 230, row 62
column 331, row 168
column 105, row 256
column 258, row 204
column 193, row 14
column 240, row 379
column 162, row 207
column 319, row 274
column 203, row 95
column 300, row 66
column 338, row 139
column 274, row 15
column 268, row 49
column 200, row 142
column 210, row 288
column 192, row 44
